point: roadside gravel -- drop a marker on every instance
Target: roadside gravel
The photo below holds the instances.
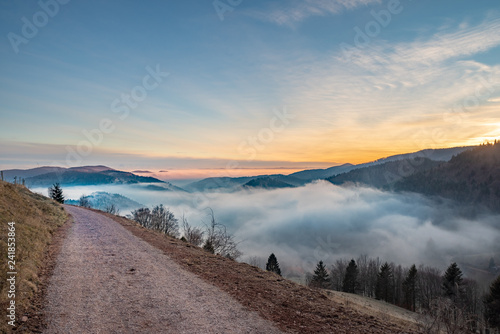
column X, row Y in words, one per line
column 107, row 280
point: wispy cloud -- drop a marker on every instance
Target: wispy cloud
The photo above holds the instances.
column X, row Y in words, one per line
column 294, row 12
column 465, row 41
column 394, row 90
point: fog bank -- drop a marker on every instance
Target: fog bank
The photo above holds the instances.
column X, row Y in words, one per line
column 321, row 221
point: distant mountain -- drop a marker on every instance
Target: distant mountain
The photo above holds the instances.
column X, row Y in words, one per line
column 303, row 177
column 267, row 182
column 440, row 154
column 101, row 200
column 25, row 173
column 236, row 183
column 215, row 183
column 386, row 174
column 165, row 186
column 444, row 154
column 315, row 174
column 77, row 176
column 472, row 177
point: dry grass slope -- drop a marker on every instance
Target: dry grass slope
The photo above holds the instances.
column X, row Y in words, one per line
column 36, row 218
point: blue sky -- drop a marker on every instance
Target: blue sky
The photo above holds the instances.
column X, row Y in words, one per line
column 426, row 77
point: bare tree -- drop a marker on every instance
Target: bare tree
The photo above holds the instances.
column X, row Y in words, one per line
column 143, row 217
column 337, row 274
column 193, row 235
column 112, row 209
column 160, row 219
column 220, row 240
column 256, row 261
column 363, row 282
column 163, row 220
column 429, row 285
column 445, row 316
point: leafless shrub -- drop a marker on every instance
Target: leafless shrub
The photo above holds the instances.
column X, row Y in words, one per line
column 112, row 209
column 193, row 235
column 445, row 316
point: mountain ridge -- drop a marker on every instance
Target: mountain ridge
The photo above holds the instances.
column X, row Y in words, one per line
column 471, row 177
column 306, row 176
column 75, row 176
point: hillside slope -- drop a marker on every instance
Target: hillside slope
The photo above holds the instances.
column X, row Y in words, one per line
column 82, row 178
column 36, row 219
column 266, row 183
column 443, row 154
column 386, row 174
column 472, row 177
column 75, row 176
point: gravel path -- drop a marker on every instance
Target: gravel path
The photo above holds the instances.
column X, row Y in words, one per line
column 108, row 281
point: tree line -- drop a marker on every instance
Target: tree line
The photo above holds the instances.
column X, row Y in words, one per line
column 448, row 302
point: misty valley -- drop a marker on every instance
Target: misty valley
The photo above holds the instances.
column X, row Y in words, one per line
column 304, row 219
column 419, row 230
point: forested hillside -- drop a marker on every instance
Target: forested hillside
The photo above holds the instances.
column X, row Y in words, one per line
column 472, row 177
column 385, row 175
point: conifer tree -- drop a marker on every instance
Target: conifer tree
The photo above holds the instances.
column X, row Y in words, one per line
column 320, row 278
column 56, row 193
column 385, row 287
column 452, row 282
column 350, row 282
column 273, row 265
column 492, row 304
column 410, row 289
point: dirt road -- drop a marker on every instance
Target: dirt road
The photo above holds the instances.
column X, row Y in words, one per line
column 108, row 281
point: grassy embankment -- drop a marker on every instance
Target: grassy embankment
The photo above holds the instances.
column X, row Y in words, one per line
column 36, row 219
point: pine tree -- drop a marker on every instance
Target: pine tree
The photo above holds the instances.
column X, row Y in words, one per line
column 492, row 304
column 385, row 285
column 350, row 282
column 272, row 264
column 452, row 282
column 320, row 279
column 410, row 289
column 56, row 193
